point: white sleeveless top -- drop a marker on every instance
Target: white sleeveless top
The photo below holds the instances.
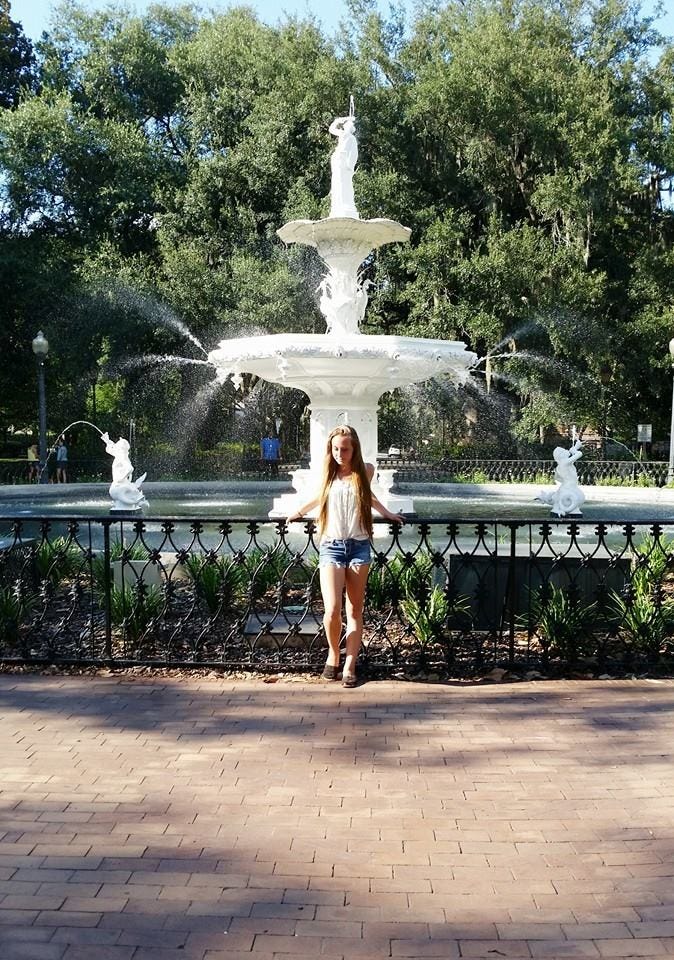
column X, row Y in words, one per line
column 343, row 519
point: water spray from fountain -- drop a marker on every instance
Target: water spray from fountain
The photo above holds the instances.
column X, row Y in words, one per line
column 156, row 311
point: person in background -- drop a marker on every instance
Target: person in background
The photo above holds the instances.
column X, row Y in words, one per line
column 61, row 461
column 33, row 463
column 270, row 453
column 345, row 503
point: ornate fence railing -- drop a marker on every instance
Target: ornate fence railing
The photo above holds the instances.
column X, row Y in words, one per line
column 445, row 597
column 590, row 472
column 84, row 470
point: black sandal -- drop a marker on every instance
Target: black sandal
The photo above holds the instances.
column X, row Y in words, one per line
column 349, row 680
column 330, row 672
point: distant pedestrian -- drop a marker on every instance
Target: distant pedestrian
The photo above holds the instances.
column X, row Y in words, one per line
column 33, row 463
column 270, row 453
column 61, row 461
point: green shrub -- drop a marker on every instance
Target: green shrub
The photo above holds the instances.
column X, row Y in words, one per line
column 270, row 568
column 472, row 476
column 430, row 618
column 404, row 577
column 653, row 559
column 646, row 618
column 218, row 582
column 382, row 588
column 643, row 479
column 561, row 621
column 642, row 610
column 57, row 559
column 15, row 606
column 135, row 609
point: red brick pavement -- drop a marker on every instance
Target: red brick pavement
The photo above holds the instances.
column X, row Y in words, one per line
column 211, row 819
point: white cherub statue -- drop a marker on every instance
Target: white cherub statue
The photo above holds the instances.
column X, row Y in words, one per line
column 568, row 497
column 125, row 492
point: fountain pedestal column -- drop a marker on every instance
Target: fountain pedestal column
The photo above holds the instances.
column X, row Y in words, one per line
column 324, row 416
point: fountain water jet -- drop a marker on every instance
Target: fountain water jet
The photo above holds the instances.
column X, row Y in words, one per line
column 343, row 372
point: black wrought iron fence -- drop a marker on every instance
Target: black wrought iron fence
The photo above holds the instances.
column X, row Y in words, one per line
column 445, row 597
column 590, row 472
column 78, row 469
column 85, row 470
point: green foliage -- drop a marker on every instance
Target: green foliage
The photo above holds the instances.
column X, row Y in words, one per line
column 642, row 479
column 643, row 610
column 268, row 569
column 218, row 581
column 135, row 610
column 17, row 61
column 403, row 577
column 561, row 621
column 56, row 560
column 411, row 581
column 472, row 476
column 646, row 619
column 433, row 616
column 15, row 606
column 381, row 586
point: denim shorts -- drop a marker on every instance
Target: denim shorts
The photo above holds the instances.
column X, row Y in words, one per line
column 344, row 553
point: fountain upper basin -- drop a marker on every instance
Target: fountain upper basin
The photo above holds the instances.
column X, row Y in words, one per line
column 355, row 365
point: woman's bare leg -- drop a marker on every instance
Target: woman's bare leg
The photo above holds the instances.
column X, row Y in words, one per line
column 332, row 588
column 356, row 582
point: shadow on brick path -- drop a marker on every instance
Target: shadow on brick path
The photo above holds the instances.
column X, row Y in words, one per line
column 216, row 818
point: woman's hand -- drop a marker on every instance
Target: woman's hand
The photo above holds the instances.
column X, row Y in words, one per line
column 396, row 518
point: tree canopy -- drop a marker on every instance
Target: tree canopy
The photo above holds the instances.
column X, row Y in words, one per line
column 149, row 159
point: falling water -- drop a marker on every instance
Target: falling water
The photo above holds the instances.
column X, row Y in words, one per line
column 62, row 433
column 191, row 415
column 157, row 312
column 156, row 358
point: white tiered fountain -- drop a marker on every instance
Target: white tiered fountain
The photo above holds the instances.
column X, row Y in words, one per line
column 343, row 372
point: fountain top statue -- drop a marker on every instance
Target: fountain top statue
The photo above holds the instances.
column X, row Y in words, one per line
column 342, row 165
column 342, row 239
column 343, row 372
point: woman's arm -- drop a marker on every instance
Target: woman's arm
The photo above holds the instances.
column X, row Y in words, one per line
column 304, row 509
column 380, row 508
column 377, row 505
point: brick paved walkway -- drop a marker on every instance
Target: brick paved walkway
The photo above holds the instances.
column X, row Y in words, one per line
column 212, row 819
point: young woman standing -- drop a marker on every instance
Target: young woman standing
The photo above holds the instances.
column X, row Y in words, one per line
column 345, row 504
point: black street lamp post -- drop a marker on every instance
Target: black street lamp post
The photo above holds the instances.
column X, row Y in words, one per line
column 41, row 349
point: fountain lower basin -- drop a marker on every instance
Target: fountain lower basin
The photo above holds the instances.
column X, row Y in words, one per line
column 212, row 500
column 344, row 378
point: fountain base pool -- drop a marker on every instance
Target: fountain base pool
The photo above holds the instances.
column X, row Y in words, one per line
column 212, row 500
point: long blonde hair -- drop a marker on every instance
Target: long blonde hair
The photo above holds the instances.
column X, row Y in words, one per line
column 360, row 479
